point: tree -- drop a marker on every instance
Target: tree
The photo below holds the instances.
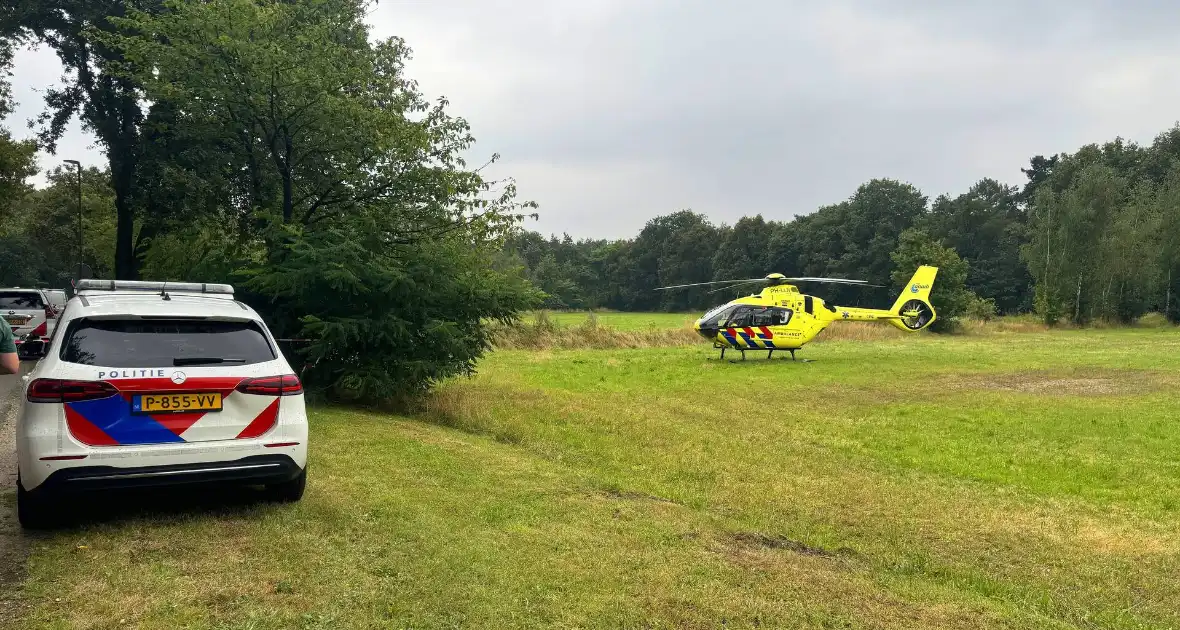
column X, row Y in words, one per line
column 742, row 252
column 50, row 215
column 17, row 158
column 107, row 103
column 1167, row 213
column 23, row 258
column 810, row 245
column 671, row 249
column 950, row 295
column 344, row 207
column 1071, row 230
column 874, row 218
column 986, row 227
column 852, row 239
column 317, row 123
column 1038, row 172
column 42, row 230
column 388, row 321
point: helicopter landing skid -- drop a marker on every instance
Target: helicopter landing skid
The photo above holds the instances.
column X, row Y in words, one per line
column 769, row 353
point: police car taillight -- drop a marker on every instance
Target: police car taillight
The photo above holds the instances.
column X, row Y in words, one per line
column 286, row 385
column 52, row 390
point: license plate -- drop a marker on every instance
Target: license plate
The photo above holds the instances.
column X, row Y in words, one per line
column 17, row 320
column 171, row 403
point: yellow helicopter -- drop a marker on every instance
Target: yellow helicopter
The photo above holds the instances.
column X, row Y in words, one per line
column 782, row 318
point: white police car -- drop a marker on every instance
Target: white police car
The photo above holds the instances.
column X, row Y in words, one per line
column 151, row 383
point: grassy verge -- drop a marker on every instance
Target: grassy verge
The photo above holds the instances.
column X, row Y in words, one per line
column 980, row 481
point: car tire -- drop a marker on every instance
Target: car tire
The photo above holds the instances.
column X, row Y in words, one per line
column 288, row 491
column 33, row 511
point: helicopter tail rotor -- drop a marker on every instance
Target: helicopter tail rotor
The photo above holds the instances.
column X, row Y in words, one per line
column 913, row 306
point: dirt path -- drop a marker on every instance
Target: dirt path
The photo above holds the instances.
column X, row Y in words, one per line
column 13, row 545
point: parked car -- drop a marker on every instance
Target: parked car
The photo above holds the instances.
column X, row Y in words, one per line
column 57, row 301
column 154, row 384
column 29, row 313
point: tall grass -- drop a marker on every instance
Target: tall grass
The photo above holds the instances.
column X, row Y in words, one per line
column 1153, row 320
column 858, row 331
column 542, row 333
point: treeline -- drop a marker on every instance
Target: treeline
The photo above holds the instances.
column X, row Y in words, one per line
column 1090, row 235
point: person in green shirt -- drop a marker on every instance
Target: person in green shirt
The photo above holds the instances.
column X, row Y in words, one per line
column 9, row 363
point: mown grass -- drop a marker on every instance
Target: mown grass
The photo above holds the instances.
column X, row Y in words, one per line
column 1002, row 480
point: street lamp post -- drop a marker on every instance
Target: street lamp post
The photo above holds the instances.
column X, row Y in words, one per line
column 78, row 169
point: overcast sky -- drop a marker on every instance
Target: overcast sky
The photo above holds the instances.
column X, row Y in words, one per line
column 610, row 112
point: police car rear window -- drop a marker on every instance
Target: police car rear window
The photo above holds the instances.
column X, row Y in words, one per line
column 20, row 300
column 162, row 343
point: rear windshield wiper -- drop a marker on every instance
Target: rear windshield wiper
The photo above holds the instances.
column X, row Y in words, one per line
column 203, row 360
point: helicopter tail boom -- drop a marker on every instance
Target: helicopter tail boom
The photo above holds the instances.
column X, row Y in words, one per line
column 912, row 311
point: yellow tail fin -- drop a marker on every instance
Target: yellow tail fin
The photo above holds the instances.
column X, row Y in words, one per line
column 913, row 305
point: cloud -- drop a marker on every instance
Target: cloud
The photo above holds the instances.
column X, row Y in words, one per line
column 611, row 112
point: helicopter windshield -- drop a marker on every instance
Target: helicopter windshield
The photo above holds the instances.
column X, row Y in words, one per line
column 717, row 316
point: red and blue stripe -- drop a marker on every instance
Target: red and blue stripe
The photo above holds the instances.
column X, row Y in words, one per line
column 110, row 421
column 748, row 335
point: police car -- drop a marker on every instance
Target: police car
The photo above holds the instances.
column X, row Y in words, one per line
column 150, row 384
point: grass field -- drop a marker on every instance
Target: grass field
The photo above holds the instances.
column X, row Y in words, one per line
column 1009, row 480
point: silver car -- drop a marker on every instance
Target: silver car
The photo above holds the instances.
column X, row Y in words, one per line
column 29, row 312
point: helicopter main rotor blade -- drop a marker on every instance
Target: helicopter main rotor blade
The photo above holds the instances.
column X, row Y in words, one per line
column 833, row 281
column 733, row 286
column 731, row 283
column 701, row 284
column 855, row 283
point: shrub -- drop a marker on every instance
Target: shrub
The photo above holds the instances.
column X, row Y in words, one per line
column 950, row 295
column 1153, row 320
column 386, row 322
column 982, row 309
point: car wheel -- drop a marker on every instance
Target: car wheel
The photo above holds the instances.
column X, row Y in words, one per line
column 288, row 491
column 33, row 511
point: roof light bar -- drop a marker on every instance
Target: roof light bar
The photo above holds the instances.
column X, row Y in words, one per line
column 91, row 285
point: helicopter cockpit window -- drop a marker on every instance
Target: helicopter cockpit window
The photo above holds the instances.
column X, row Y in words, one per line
column 771, row 317
column 741, row 317
column 716, row 317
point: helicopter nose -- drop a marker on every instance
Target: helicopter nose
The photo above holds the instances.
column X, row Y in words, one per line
column 707, row 333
